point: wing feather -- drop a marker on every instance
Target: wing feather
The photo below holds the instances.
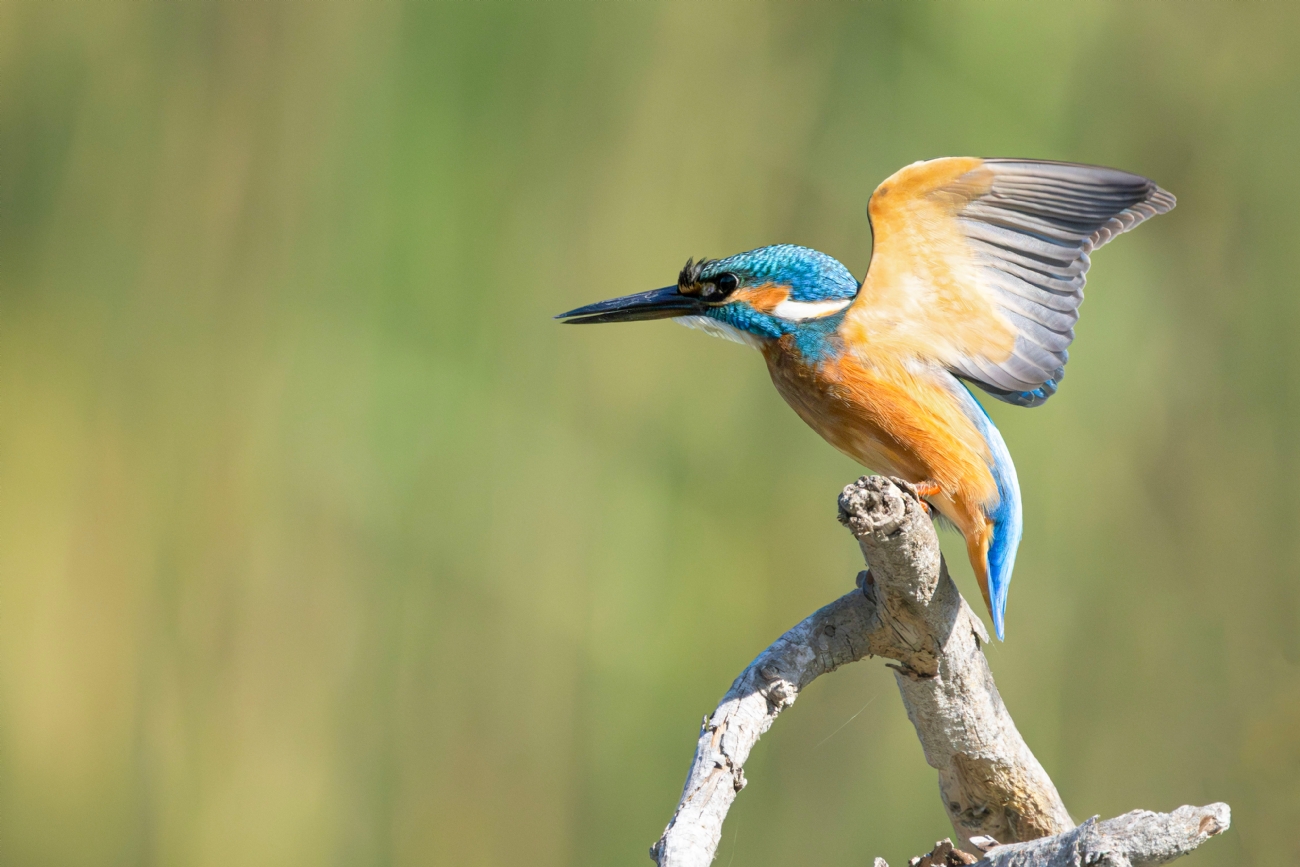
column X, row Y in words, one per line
column 981, row 264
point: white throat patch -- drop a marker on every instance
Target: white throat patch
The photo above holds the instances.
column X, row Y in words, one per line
column 720, row 329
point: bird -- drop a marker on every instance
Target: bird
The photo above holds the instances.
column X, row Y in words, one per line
column 975, row 279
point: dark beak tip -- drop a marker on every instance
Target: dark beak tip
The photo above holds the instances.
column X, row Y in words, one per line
column 572, row 317
column 657, row 304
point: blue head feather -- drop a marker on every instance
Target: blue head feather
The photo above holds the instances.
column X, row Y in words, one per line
column 809, row 276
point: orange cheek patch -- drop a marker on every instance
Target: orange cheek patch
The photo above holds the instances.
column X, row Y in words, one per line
column 763, row 298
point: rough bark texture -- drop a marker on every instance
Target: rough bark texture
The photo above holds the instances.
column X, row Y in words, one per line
column 1134, row 839
column 990, row 782
column 906, row 608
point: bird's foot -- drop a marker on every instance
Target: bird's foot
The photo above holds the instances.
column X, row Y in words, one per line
column 922, row 490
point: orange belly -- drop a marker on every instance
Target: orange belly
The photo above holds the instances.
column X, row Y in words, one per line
column 896, row 420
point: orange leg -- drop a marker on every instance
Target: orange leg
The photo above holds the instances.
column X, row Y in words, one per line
column 926, row 489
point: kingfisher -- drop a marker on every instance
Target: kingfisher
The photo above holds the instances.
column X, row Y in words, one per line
column 976, row 276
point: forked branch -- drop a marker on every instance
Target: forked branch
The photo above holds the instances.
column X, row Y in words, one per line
column 906, row 608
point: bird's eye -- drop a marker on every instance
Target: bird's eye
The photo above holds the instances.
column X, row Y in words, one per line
column 720, row 287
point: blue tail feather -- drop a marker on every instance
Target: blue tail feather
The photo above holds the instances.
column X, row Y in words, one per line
column 1006, row 516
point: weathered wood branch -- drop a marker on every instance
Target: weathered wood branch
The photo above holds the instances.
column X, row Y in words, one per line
column 831, row 637
column 906, row 608
column 1136, row 838
column 990, row 782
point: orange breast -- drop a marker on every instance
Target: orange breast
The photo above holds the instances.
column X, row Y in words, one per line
column 893, row 418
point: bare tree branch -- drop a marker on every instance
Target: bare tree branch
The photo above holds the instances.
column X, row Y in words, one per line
column 906, row 608
column 990, row 781
column 829, row 638
column 1136, row 838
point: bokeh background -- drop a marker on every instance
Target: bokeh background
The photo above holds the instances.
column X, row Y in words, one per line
column 322, row 544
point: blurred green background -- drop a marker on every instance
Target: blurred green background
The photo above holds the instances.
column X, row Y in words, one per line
column 323, row 544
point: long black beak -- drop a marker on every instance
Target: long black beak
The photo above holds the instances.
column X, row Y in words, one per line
column 659, row 304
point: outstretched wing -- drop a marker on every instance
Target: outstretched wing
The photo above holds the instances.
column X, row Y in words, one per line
column 980, row 264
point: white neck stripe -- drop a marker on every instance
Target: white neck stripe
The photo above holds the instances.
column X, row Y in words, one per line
column 795, row 311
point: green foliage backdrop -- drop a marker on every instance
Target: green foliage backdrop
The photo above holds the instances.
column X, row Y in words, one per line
column 322, row 544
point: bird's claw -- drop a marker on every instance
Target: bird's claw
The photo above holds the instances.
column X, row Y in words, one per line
column 922, row 490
